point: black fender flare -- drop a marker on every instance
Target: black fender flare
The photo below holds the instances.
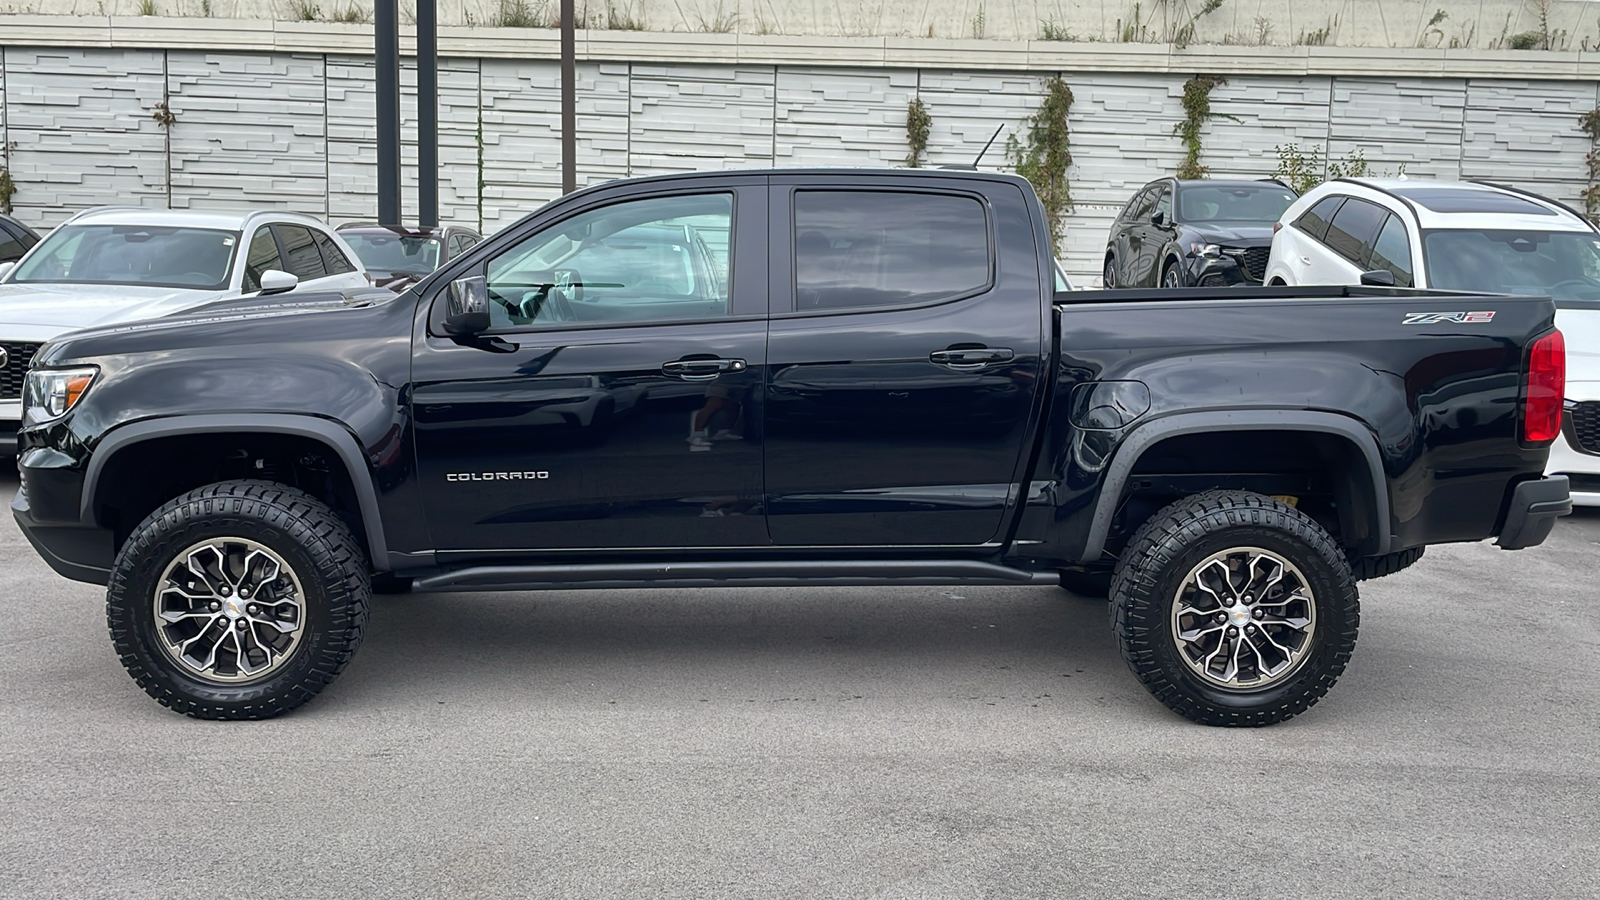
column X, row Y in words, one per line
column 1142, row 437
column 335, row 436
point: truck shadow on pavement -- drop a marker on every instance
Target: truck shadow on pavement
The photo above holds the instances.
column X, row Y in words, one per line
column 769, row 643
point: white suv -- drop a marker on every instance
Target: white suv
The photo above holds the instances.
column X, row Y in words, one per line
column 111, row 265
column 1465, row 236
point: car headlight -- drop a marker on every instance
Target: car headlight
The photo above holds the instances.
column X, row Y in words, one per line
column 50, row 393
column 1209, row 251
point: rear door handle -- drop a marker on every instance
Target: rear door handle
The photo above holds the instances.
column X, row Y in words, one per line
column 1305, row 260
column 970, row 358
column 702, row 369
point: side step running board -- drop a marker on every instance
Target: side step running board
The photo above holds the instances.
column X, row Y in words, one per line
column 791, row 573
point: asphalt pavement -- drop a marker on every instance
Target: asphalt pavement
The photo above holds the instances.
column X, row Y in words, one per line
column 845, row 742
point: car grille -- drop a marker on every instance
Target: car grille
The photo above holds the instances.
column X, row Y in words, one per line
column 1583, row 420
column 1254, row 261
column 18, row 355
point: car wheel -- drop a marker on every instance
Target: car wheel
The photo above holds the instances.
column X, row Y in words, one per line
column 1235, row 609
column 1171, row 277
column 238, row 600
column 1108, row 278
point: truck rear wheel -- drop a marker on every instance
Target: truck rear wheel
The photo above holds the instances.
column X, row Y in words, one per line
column 238, row 600
column 1235, row 609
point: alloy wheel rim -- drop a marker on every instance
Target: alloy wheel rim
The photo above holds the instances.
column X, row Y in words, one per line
column 229, row 610
column 1243, row 619
column 1109, row 278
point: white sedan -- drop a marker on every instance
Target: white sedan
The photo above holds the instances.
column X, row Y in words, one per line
column 112, row 265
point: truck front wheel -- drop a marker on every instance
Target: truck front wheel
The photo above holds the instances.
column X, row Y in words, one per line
column 1235, row 609
column 238, row 600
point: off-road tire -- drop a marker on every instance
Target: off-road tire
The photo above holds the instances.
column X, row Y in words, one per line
column 1157, row 563
column 1366, row 567
column 310, row 538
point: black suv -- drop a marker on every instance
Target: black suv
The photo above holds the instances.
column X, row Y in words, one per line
column 15, row 239
column 1195, row 233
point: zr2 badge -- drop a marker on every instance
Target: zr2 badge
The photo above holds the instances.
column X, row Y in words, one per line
column 1456, row 318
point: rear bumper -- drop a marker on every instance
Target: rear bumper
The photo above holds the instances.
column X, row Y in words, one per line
column 1535, row 506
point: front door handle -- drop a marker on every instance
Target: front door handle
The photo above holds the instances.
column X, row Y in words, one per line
column 702, row 369
column 971, row 357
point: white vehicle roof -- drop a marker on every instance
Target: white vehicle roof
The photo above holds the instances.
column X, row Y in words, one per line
column 1460, row 204
column 225, row 219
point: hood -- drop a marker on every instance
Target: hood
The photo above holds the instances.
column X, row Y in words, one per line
column 71, row 306
column 1239, row 236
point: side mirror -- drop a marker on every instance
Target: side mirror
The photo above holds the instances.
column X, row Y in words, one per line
column 467, row 312
column 275, row 281
column 1378, row 278
column 5, row 269
column 1158, row 219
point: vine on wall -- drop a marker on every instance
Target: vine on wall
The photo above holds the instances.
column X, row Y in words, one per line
column 1196, row 113
column 8, row 189
column 1589, row 124
column 918, row 122
column 1045, row 154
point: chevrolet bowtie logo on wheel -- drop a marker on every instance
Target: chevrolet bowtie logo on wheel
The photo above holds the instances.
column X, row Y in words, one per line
column 496, row 476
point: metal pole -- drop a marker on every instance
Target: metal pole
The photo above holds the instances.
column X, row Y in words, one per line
column 386, row 56
column 569, row 102
column 427, row 114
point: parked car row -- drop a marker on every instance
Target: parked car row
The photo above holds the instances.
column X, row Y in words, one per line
column 1410, row 233
column 113, row 265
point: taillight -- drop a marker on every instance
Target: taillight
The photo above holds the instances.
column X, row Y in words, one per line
column 1547, row 382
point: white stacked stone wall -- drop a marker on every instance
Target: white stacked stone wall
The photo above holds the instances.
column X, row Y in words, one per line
column 294, row 130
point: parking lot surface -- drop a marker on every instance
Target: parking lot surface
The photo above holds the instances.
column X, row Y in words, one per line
column 861, row 742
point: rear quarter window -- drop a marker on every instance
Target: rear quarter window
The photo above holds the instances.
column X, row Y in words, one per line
column 1314, row 221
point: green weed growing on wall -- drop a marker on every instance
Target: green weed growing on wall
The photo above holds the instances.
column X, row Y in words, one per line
column 1196, row 113
column 8, row 189
column 918, row 123
column 1044, row 154
column 1589, row 124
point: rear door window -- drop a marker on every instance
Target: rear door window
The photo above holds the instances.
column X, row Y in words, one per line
column 1314, row 221
column 1392, row 251
column 10, row 246
column 1354, row 228
column 857, row 249
column 300, row 253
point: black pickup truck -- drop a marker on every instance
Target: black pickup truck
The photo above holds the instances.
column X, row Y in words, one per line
column 843, row 377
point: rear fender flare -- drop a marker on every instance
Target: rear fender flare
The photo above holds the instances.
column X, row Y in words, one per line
column 1145, row 436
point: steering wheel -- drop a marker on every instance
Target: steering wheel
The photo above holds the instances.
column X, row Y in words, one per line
column 1583, row 289
column 547, row 304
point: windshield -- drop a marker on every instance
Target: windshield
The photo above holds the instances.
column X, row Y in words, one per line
column 1238, row 204
column 196, row 258
column 395, row 252
column 1564, row 265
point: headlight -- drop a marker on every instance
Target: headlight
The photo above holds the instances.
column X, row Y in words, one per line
column 1209, row 251
column 51, row 392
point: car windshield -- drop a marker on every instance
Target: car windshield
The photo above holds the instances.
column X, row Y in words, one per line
column 1236, row 204
column 386, row 252
column 1564, row 265
column 156, row 256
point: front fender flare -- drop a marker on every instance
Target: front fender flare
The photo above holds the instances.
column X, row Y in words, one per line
column 1143, row 436
column 325, row 431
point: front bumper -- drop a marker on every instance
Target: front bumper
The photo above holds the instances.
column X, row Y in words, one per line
column 1216, row 271
column 1534, row 508
column 76, row 549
